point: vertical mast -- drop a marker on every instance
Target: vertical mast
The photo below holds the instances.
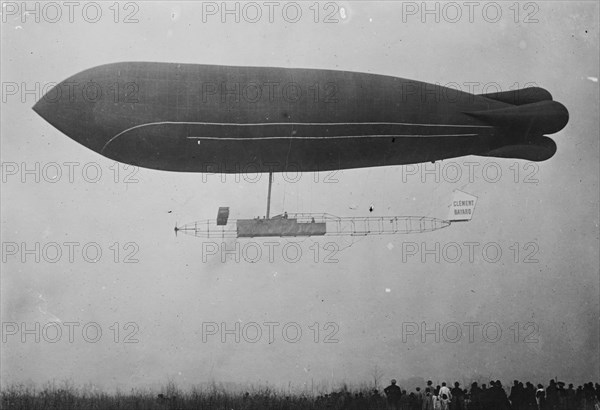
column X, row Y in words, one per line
column 269, row 194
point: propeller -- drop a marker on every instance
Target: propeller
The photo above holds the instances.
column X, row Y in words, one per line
column 176, row 229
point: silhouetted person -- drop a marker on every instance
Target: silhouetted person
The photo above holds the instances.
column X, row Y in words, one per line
column 418, row 398
column 393, row 393
column 436, row 399
column 404, row 402
column 571, row 401
column 540, row 397
column 458, row 398
column 500, row 396
column 444, row 402
column 427, row 400
column 515, row 395
column 589, row 394
column 530, row 402
column 485, row 397
column 475, row 397
column 445, row 390
column 375, row 398
column 552, row 396
column 361, row 401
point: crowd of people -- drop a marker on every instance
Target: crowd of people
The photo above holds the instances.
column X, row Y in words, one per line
column 556, row 396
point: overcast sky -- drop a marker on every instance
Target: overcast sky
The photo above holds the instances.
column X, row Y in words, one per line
column 542, row 292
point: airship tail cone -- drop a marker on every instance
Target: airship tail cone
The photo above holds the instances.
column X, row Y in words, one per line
column 543, row 117
column 540, row 149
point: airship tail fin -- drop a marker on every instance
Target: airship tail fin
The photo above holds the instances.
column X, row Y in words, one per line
column 540, row 149
column 538, row 118
column 520, row 97
column 524, row 124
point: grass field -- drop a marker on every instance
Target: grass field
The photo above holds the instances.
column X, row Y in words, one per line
column 170, row 397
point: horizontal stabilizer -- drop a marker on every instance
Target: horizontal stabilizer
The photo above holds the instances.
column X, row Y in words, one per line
column 222, row 215
column 544, row 117
column 520, row 97
column 540, row 150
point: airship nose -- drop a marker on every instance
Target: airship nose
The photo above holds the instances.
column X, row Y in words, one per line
column 58, row 108
column 44, row 107
column 63, row 107
column 40, row 108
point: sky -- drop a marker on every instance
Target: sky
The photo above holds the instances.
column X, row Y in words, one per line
column 91, row 267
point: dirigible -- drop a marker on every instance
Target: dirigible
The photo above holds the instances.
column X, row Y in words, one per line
column 231, row 119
